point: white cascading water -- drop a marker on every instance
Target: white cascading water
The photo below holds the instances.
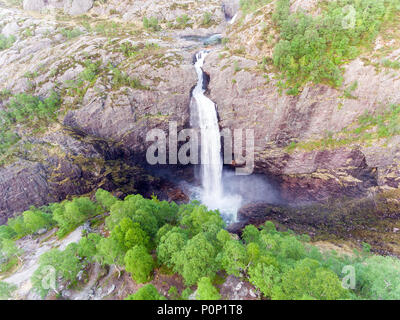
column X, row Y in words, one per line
column 212, row 164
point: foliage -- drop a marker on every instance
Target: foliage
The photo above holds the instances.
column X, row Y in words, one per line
column 313, row 49
column 378, row 278
column 207, row 19
column 151, row 24
column 91, row 70
column 182, row 21
column 264, row 277
column 6, row 290
column 170, row 244
column 71, row 214
column 122, row 79
column 129, row 234
column 191, row 241
column 206, row 291
column 196, row 260
column 36, row 220
column 308, row 280
column 249, row 6
column 139, row 263
column 54, row 266
column 6, row 42
column 105, row 199
column 233, row 257
column 147, row 292
column 71, row 33
column 25, row 109
column 109, row 252
column 9, row 254
column 87, row 246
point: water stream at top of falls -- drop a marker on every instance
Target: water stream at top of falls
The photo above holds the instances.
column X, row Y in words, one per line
column 212, row 194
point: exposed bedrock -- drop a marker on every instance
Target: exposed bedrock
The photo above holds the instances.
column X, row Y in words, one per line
column 309, row 171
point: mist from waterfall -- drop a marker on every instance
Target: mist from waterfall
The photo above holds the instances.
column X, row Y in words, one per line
column 212, row 194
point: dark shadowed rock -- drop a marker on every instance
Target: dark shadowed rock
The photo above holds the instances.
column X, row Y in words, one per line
column 21, row 185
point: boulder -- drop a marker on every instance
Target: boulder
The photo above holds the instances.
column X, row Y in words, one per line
column 77, row 7
column 11, row 29
column 72, row 7
column 34, row 5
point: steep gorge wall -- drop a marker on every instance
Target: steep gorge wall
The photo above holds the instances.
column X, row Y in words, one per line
column 304, row 141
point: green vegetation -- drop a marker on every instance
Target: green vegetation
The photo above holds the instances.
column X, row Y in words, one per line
column 391, row 64
column 71, row 33
column 6, row 42
column 55, row 264
column 121, row 79
column 249, row 6
column 6, row 290
column 144, row 234
column 148, row 292
column 27, row 111
column 9, row 255
column 369, row 127
column 183, row 22
column 139, row 263
column 313, row 49
column 206, row 291
column 151, row 24
column 207, row 19
column 71, row 214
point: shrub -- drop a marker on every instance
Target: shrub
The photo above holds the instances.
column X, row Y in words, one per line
column 139, row 263
column 206, row 291
column 264, row 277
column 308, row 280
column 207, row 19
column 36, row 220
column 6, row 290
column 312, row 49
column 105, row 199
column 6, row 42
column 151, row 24
column 233, row 257
column 129, row 234
column 148, row 292
column 196, row 259
column 56, row 266
column 171, row 244
column 378, row 278
column 71, row 214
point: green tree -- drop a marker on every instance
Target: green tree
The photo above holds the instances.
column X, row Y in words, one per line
column 233, row 257
column 139, row 263
column 109, row 252
column 309, row 280
column 264, row 277
column 206, row 291
column 87, row 246
column 130, row 234
column 147, row 292
column 6, row 232
column 105, row 199
column 35, row 220
column 6, row 289
column 196, row 260
column 56, row 266
column 171, row 244
column 378, row 278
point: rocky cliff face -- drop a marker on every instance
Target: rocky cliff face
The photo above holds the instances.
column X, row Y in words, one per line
column 134, row 84
column 117, row 80
column 307, row 141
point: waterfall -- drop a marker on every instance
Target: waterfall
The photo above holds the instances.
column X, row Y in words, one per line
column 212, row 194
